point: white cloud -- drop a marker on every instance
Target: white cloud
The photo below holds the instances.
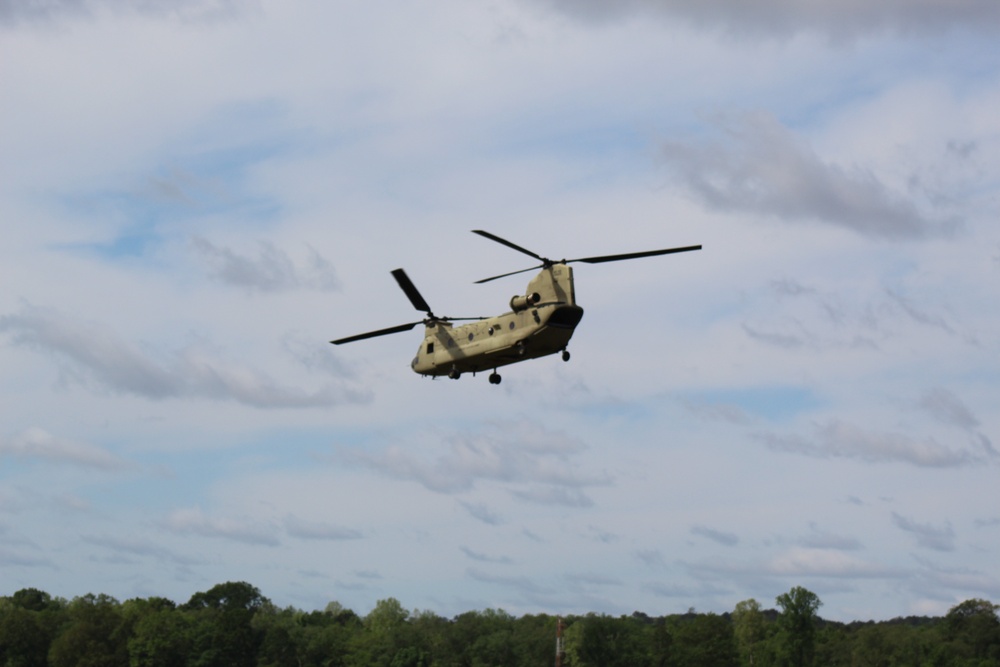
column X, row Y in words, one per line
column 37, row 443
column 98, row 355
column 535, row 463
column 841, row 439
column 246, row 530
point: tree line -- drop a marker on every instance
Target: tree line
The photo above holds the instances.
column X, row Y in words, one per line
column 233, row 625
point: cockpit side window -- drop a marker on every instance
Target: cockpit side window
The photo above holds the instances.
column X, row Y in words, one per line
column 430, row 348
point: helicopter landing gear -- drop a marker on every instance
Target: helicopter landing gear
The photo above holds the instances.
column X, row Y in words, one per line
column 454, row 374
column 494, row 378
column 565, row 355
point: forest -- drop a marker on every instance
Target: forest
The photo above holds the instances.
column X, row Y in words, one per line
column 234, row 625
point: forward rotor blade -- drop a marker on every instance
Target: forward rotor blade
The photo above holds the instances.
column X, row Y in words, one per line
column 504, row 275
column 633, row 255
column 380, row 332
column 494, row 237
column 411, row 291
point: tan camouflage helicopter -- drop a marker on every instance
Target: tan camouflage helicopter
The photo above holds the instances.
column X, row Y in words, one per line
column 539, row 323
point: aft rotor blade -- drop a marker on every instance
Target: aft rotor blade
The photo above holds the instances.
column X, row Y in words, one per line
column 633, row 255
column 380, row 332
column 411, row 291
column 504, row 275
column 494, row 237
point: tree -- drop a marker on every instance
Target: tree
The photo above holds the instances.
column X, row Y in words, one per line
column 222, row 633
column 748, row 629
column 92, row 638
column 973, row 629
column 797, row 626
column 704, row 640
column 161, row 637
column 599, row 640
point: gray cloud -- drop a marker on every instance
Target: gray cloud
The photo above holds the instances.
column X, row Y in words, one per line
column 517, row 454
column 592, row 579
column 761, row 167
column 311, row 530
column 523, row 584
column 839, row 439
column 13, row 12
column 10, row 558
column 271, row 270
column 842, row 20
column 140, row 547
column 651, row 558
column 483, row 513
column 483, row 558
column 36, row 443
column 245, row 530
column 718, row 536
column 928, row 536
column 944, row 406
column 821, row 539
column 98, row 355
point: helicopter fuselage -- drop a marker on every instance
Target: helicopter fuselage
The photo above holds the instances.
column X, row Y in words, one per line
column 540, row 323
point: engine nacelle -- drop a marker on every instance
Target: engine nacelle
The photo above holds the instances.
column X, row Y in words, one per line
column 519, row 303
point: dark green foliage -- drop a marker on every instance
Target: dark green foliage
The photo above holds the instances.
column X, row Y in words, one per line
column 232, row 624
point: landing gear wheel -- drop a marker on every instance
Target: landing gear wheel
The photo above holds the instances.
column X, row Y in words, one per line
column 454, row 374
column 565, row 355
column 494, row 378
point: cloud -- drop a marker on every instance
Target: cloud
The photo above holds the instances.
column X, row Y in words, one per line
column 593, row 579
column 271, row 270
column 309, row 530
column 840, row 439
column 244, row 530
column 718, row 536
column 100, row 356
column 761, row 167
column 946, row 407
column 510, row 453
column 12, row 559
column 797, row 562
column 842, row 20
column 523, row 584
column 809, row 562
column 651, row 558
column 36, row 443
column 13, row 12
column 820, row 539
column 140, row 547
column 928, row 536
column 483, row 558
column 483, row 513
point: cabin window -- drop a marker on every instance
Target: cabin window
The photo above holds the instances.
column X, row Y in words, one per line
column 512, row 325
column 471, row 336
column 430, row 348
column 451, row 343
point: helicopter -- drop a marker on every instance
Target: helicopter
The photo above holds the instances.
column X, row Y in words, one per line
column 540, row 322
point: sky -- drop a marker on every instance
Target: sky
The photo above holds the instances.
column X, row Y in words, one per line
column 196, row 196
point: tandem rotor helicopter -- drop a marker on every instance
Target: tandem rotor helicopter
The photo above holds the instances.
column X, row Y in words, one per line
column 540, row 322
